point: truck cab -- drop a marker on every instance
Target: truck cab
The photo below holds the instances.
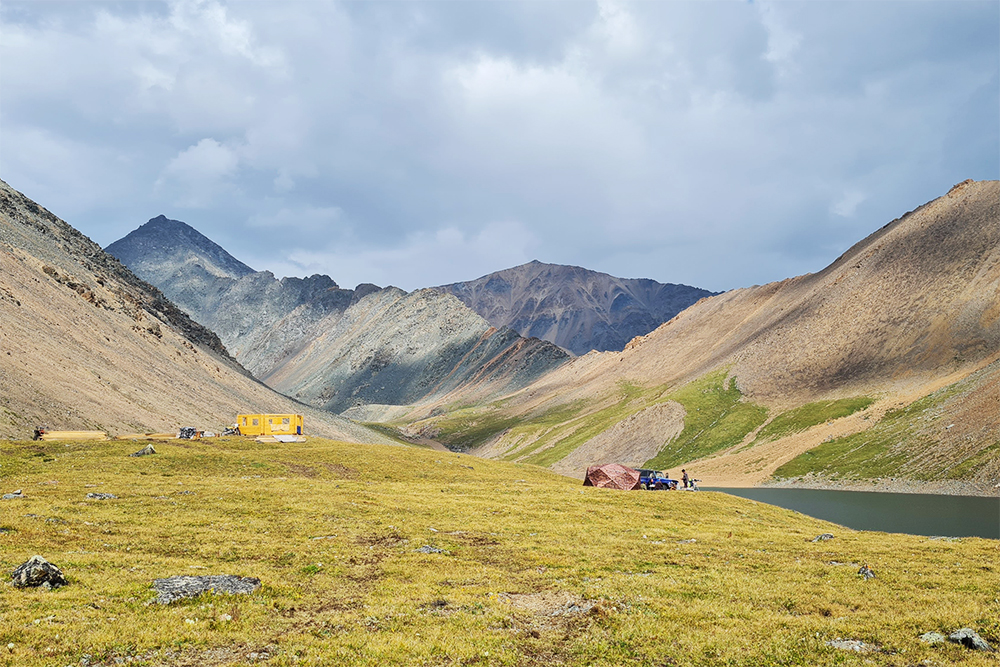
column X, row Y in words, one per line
column 654, row 480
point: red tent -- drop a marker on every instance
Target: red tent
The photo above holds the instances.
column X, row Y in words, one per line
column 612, row 476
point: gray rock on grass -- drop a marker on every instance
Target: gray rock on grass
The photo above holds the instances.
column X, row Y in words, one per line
column 968, row 638
column 932, row 638
column 145, row 451
column 36, row 571
column 171, row 589
column 14, row 496
column 428, row 549
column 855, row 645
column 823, row 538
column 866, row 572
column 102, row 496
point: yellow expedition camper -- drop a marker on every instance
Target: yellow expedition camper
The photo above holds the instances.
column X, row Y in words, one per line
column 269, row 424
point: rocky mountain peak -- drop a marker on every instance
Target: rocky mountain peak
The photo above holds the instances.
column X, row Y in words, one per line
column 576, row 308
column 162, row 245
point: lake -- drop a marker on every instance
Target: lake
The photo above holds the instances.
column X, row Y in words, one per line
column 913, row 513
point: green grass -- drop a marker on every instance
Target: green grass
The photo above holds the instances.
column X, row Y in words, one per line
column 716, row 418
column 881, row 451
column 332, row 530
column 811, row 414
column 467, row 428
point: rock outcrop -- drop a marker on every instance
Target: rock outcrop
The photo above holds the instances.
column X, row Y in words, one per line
column 37, row 571
column 171, row 589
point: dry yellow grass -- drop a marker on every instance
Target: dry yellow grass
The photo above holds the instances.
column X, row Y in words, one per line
column 534, row 569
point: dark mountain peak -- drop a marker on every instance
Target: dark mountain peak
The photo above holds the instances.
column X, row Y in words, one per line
column 573, row 307
column 167, row 243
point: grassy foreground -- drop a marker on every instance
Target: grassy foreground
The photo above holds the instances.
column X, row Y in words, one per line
column 534, row 569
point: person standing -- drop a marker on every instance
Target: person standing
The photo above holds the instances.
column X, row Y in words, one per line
column 684, row 477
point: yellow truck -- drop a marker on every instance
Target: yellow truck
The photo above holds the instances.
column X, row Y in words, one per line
column 269, row 424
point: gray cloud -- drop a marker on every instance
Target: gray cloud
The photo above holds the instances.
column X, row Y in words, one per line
column 719, row 144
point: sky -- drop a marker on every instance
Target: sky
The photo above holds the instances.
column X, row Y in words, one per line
column 715, row 143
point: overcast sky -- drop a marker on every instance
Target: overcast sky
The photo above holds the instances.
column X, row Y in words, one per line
column 719, row 144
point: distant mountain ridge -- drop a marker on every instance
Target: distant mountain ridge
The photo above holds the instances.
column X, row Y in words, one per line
column 330, row 347
column 576, row 308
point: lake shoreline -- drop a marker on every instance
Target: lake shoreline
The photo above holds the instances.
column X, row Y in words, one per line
column 883, row 485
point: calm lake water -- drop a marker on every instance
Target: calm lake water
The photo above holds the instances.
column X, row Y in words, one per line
column 917, row 514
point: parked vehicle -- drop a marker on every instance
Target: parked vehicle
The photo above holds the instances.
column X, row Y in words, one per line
column 654, row 480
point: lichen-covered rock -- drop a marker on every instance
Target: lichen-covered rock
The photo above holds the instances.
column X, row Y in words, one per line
column 932, row 638
column 37, row 571
column 823, row 538
column 176, row 588
column 866, row 572
column 102, row 496
column 968, row 638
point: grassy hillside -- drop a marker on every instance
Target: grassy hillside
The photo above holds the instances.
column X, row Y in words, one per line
column 534, row 569
column 929, row 439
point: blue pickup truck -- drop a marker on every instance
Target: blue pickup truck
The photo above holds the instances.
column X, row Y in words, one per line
column 654, row 480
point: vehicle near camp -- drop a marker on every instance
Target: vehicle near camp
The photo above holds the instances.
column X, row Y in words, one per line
column 269, row 424
column 654, row 480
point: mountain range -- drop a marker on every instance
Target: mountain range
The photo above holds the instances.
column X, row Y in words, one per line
column 882, row 371
column 334, row 348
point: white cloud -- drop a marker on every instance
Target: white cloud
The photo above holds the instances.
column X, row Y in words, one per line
column 848, row 203
column 422, row 259
column 757, row 138
column 199, row 174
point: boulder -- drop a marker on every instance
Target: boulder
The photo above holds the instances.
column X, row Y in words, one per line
column 866, row 572
column 176, row 588
column 932, row 638
column 145, row 451
column 37, row 571
column 823, row 538
column 968, row 638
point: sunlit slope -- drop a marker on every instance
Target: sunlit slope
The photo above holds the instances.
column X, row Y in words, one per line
column 84, row 344
column 907, row 311
column 401, row 556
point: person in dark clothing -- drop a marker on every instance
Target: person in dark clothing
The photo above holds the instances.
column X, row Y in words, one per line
column 684, row 478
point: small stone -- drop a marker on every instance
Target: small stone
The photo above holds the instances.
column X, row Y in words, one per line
column 866, row 572
column 145, row 451
column 37, row 571
column 14, row 496
column 823, row 538
column 932, row 638
column 855, row 645
column 968, row 638
column 102, row 496
column 428, row 549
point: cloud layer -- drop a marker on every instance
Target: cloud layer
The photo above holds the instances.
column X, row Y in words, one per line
column 718, row 144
